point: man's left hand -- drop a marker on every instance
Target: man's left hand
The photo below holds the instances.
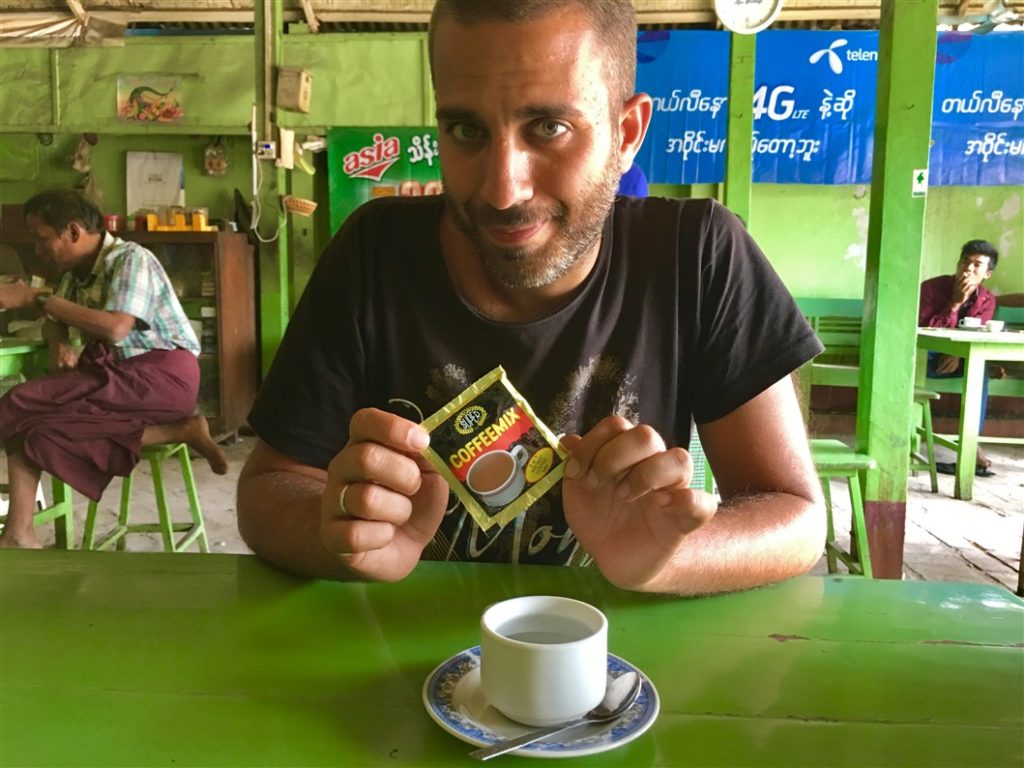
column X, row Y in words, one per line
column 628, row 499
column 16, row 295
column 947, row 364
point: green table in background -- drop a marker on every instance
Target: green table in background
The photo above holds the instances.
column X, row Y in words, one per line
column 977, row 348
column 119, row 659
column 20, row 356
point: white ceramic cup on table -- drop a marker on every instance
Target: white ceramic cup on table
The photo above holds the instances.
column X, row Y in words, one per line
column 970, row 322
column 543, row 659
column 995, row 326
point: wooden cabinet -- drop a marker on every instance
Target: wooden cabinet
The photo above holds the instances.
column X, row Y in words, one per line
column 213, row 274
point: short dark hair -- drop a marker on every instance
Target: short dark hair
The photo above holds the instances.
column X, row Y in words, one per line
column 981, row 248
column 614, row 21
column 59, row 207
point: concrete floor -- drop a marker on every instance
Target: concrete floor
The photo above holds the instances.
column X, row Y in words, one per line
column 946, row 539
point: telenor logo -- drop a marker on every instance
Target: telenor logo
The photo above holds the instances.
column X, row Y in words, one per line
column 834, row 62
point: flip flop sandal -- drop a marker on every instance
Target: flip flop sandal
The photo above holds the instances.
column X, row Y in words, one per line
column 980, row 471
column 945, row 469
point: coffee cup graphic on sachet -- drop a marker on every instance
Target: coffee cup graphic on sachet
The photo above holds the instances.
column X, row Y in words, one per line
column 497, row 477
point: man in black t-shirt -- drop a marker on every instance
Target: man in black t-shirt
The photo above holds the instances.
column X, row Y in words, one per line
column 621, row 322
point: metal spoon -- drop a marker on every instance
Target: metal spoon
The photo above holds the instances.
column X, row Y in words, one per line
column 622, row 691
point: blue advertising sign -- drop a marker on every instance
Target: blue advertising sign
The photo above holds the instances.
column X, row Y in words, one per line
column 688, row 79
column 814, row 107
column 978, row 111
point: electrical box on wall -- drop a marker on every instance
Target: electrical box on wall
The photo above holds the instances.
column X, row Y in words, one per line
column 266, row 150
column 294, row 89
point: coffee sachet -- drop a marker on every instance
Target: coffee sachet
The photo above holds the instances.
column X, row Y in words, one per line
column 496, row 455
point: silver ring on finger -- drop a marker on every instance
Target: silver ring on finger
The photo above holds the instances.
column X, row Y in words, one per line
column 341, row 501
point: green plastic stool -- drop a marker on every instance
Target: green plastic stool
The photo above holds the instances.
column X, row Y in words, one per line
column 834, row 458
column 60, row 513
column 923, row 430
column 195, row 530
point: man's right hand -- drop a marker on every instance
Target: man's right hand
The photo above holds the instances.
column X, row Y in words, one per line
column 962, row 290
column 63, row 357
column 383, row 502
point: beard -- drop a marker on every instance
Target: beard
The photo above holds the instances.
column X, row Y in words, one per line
column 577, row 230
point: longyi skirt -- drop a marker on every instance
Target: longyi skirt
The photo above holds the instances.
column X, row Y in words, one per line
column 85, row 426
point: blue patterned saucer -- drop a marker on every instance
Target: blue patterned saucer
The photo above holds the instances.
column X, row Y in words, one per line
column 454, row 699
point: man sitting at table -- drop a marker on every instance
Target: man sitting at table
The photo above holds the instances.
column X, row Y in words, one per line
column 135, row 382
column 619, row 321
column 945, row 301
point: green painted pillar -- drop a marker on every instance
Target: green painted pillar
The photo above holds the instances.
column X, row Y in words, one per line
column 302, row 237
column 906, row 70
column 738, row 154
column 272, row 232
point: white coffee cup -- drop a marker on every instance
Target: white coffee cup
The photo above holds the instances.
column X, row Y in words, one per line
column 497, row 476
column 995, row 326
column 543, row 659
column 970, row 322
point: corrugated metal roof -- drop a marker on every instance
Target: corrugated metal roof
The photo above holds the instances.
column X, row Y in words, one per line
column 412, row 15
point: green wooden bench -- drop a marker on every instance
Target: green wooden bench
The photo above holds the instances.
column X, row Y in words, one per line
column 838, row 324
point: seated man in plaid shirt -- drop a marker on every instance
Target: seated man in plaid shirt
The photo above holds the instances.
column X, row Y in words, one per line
column 135, row 382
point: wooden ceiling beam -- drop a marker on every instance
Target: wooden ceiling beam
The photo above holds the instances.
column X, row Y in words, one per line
column 80, row 14
column 311, row 20
column 316, row 12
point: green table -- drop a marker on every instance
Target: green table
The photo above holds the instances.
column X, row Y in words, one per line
column 977, row 348
column 120, row 659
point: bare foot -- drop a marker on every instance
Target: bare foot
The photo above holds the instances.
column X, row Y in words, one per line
column 197, row 436
column 11, row 540
column 982, row 459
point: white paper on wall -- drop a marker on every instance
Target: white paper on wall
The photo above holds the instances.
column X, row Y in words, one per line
column 154, row 180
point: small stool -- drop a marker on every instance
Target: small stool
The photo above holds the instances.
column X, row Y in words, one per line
column 195, row 530
column 60, row 512
column 833, row 458
column 923, row 429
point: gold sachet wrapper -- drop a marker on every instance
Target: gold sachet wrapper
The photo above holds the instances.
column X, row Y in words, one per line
column 496, row 455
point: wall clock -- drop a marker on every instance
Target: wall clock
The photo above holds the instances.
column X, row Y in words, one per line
column 747, row 17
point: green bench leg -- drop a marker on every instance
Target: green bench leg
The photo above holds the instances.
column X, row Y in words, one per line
column 116, row 536
column 859, row 534
column 194, row 530
column 62, row 514
column 929, row 440
column 830, row 533
column 199, row 526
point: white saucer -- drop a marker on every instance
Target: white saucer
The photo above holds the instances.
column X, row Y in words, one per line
column 454, row 699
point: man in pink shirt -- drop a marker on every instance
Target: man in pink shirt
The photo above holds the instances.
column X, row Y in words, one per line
column 945, row 301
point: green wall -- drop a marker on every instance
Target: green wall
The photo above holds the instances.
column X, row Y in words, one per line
column 108, row 169
column 814, row 235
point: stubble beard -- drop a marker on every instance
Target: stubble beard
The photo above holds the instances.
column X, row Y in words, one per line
column 526, row 268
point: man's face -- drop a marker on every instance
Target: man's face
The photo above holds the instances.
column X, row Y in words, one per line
column 974, row 268
column 56, row 250
column 529, row 149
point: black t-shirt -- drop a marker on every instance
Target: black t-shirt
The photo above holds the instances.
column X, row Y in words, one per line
column 682, row 318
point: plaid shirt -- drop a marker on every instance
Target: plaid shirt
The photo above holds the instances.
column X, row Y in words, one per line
column 128, row 278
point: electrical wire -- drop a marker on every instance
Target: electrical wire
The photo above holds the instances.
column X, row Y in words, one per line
column 257, row 209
